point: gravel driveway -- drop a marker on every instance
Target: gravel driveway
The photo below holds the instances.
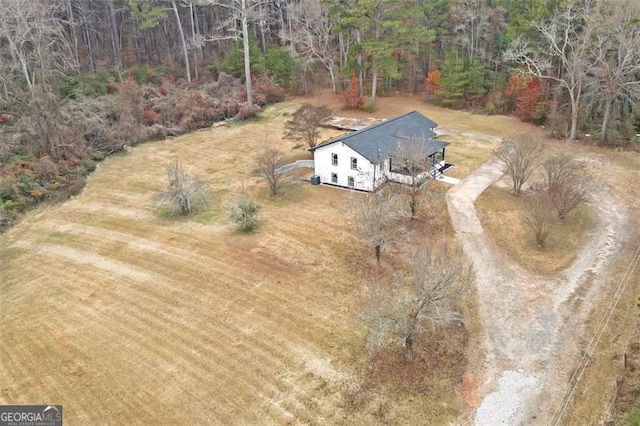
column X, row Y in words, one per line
column 526, row 318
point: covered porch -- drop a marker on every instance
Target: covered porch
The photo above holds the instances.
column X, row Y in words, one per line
column 408, row 171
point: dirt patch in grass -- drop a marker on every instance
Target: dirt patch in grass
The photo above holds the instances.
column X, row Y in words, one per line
column 503, row 216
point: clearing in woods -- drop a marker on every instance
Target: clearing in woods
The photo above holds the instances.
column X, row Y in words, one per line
column 125, row 317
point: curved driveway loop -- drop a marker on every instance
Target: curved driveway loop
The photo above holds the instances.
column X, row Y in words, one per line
column 528, row 320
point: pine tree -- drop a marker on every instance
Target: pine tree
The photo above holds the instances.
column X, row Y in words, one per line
column 453, row 80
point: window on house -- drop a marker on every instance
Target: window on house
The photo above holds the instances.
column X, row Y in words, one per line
column 334, row 159
column 351, row 181
column 334, row 178
column 354, row 163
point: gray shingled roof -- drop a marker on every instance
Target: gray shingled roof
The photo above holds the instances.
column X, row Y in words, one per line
column 380, row 141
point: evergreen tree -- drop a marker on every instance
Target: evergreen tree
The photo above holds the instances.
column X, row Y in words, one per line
column 454, row 80
column 477, row 86
column 233, row 61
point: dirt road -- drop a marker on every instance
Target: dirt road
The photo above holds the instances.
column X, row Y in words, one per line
column 528, row 319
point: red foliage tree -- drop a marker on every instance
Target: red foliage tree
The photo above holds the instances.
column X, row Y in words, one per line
column 432, row 82
column 351, row 96
column 517, row 84
column 529, row 104
column 524, row 94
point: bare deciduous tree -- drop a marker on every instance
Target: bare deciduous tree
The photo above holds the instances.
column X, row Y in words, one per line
column 540, row 216
column 565, row 185
column 522, row 154
column 562, row 55
column 410, row 156
column 305, row 124
column 312, row 35
column 31, row 43
column 269, row 165
column 614, row 87
column 473, row 26
column 374, row 218
column 242, row 13
column 185, row 194
column 558, row 168
column 569, row 195
column 424, row 295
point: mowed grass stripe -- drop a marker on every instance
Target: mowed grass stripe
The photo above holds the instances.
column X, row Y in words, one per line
column 246, row 294
column 55, row 357
column 243, row 357
column 179, row 294
column 93, row 208
column 139, row 306
column 140, row 335
column 152, row 247
column 305, row 302
column 181, row 270
column 55, row 380
column 132, row 339
column 136, row 322
column 298, row 399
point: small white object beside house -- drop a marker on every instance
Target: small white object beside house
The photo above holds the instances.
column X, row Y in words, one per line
column 367, row 158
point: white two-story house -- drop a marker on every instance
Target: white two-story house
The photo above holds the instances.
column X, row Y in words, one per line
column 367, row 158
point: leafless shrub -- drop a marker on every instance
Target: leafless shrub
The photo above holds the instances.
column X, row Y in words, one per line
column 540, row 216
column 424, row 295
column 269, row 165
column 563, row 181
column 185, row 193
column 522, row 154
column 47, row 130
column 568, row 195
column 373, row 217
column 243, row 211
column 557, row 169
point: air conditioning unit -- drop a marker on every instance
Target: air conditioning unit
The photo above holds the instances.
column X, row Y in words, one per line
column 315, row 180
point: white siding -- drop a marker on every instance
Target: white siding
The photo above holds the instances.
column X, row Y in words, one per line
column 363, row 177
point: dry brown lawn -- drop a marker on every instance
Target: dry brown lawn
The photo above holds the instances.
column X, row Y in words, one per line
column 125, row 317
column 503, row 217
column 607, row 390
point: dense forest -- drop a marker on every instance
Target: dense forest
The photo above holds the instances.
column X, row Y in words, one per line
column 82, row 79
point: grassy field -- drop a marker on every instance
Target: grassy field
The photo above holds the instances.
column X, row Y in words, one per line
column 125, row 317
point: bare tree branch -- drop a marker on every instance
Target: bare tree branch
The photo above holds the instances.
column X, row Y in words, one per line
column 522, row 154
column 422, row 296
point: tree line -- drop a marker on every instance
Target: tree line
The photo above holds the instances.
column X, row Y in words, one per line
column 576, row 62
